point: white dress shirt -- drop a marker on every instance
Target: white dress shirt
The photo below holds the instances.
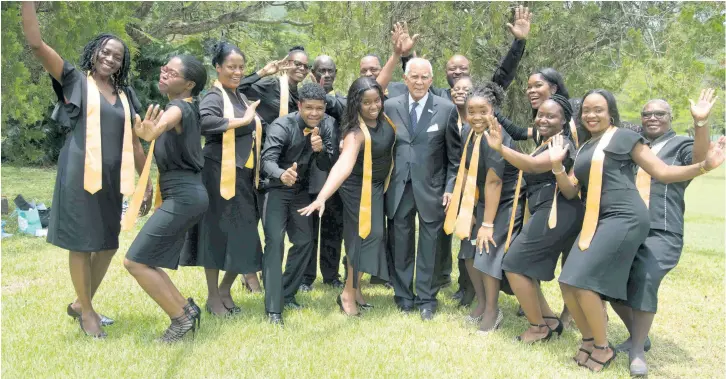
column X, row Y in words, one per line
column 420, row 107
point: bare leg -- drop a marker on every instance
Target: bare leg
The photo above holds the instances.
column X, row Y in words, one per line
column 591, row 305
column 526, row 291
column 99, row 266
column 152, row 281
column 252, row 282
column 477, row 281
column 349, row 294
column 178, row 297
column 80, row 268
column 642, row 321
column 358, row 293
column 491, row 291
column 225, row 290
column 568, row 294
column 214, row 300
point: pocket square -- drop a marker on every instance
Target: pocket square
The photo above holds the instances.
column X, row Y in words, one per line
column 430, row 110
column 433, row 128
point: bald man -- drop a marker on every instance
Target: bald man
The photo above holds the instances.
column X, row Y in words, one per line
column 427, row 154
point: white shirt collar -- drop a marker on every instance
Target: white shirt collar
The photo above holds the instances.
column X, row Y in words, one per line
column 421, row 102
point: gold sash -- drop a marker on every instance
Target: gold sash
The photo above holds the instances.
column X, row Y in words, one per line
column 93, row 162
column 228, row 174
column 642, row 179
column 594, row 190
column 284, row 95
column 364, row 215
column 453, row 211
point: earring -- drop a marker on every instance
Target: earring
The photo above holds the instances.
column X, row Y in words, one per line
column 612, row 121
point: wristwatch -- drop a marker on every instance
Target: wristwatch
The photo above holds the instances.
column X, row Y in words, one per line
column 701, row 123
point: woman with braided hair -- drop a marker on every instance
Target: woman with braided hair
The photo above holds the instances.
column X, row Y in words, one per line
column 533, row 255
column 96, row 107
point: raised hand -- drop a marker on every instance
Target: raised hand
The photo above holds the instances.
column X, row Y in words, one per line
column 522, row 20
column 702, row 108
column 407, row 42
column 316, row 141
column 715, row 155
column 317, row 205
column 289, row 177
column 558, row 150
column 494, row 136
column 484, row 237
column 145, row 129
column 274, row 67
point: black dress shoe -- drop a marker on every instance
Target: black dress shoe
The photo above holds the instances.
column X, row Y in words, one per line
column 457, row 295
column 275, row 318
column 427, row 314
column 335, row 283
column 405, row 308
column 293, row 305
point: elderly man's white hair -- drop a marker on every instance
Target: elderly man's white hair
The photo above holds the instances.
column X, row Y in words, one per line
column 422, row 61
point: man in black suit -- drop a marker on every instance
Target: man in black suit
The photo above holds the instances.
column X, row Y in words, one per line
column 427, row 154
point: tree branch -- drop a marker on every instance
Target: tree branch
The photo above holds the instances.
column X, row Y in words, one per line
column 272, row 22
column 187, row 28
column 143, row 10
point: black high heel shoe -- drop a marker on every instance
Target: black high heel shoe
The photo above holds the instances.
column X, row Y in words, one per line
column 105, row 321
column 543, row 339
column 584, row 351
column 560, row 328
column 339, row 300
column 193, row 309
column 606, row 363
column 179, row 327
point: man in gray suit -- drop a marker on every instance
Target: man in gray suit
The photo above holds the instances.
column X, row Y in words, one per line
column 427, row 154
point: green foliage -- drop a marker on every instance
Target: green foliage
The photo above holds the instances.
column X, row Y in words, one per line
column 638, row 50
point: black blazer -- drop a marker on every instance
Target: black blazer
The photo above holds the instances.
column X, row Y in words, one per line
column 428, row 157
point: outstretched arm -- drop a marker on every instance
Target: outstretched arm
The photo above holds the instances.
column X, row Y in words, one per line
column 644, row 157
column 51, row 61
column 700, row 112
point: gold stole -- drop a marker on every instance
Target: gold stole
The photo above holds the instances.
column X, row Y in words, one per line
column 642, row 179
column 393, row 157
column 284, row 95
column 594, row 190
column 228, row 174
column 132, row 213
column 364, row 214
column 93, row 162
column 450, row 222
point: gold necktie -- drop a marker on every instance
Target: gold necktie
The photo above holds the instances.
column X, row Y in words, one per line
column 284, row 95
column 642, row 179
column 228, row 175
column 463, row 221
column 451, row 214
column 393, row 157
column 364, row 215
column 307, row 131
column 93, row 162
column 594, row 190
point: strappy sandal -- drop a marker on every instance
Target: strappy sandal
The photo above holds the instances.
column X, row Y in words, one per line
column 99, row 336
column 605, row 364
column 584, row 351
column 560, row 327
column 543, row 339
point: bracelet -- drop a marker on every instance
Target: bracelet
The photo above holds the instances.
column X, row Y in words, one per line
column 702, row 168
column 560, row 172
column 485, row 225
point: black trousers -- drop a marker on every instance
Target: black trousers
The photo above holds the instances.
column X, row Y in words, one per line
column 279, row 215
column 330, row 230
column 401, row 238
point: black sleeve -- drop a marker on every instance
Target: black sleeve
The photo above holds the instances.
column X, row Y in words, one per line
column 325, row 159
column 70, row 94
column 211, row 111
column 404, row 61
column 333, row 107
column 453, row 149
column 275, row 140
column 517, row 133
column 504, row 74
column 248, row 81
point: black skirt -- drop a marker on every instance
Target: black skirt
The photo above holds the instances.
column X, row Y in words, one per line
column 226, row 238
column 365, row 255
column 160, row 241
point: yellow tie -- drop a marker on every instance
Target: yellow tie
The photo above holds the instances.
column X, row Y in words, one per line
column 594, row 190
column 393, row 157
column 364, row 215
column 93, row 162
column 463, row 221
column 228, row 175
column 450, row 220
column 284, row 95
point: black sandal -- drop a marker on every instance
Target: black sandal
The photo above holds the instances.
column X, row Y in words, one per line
column 543, row 339
column 560, row 328
column 584, row 351
column 179, row 327
column 606, row 363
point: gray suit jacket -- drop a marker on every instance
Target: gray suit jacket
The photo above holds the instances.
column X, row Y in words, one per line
column 428, row 156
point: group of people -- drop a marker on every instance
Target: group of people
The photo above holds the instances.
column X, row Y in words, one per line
column 609, row 201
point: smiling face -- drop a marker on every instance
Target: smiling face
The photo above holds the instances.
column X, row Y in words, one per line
column 370, row 66
column 539, row 90
column 456, row 67
column 371, row 105
column 460, row 91
column 109, row 58
column 299, row 62
column 229, row 73
column 312, row 111
column 476, row 109
column 595, row 114
column 656, row 119
column 172, row 81
column 549, row 120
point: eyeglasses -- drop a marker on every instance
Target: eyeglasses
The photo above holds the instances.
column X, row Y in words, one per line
column 658, row 114
column 299, row 64
column 170, row 72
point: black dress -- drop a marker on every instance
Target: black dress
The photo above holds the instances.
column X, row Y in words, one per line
column 179, row 158
column 80, row 221
column 491, row 264
column 623, row 221
column 535, row 251
column 368, row 255
column 226, row 237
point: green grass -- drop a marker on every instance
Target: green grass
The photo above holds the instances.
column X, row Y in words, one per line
column 39, row 340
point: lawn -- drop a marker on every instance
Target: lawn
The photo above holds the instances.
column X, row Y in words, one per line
column 39, row 339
